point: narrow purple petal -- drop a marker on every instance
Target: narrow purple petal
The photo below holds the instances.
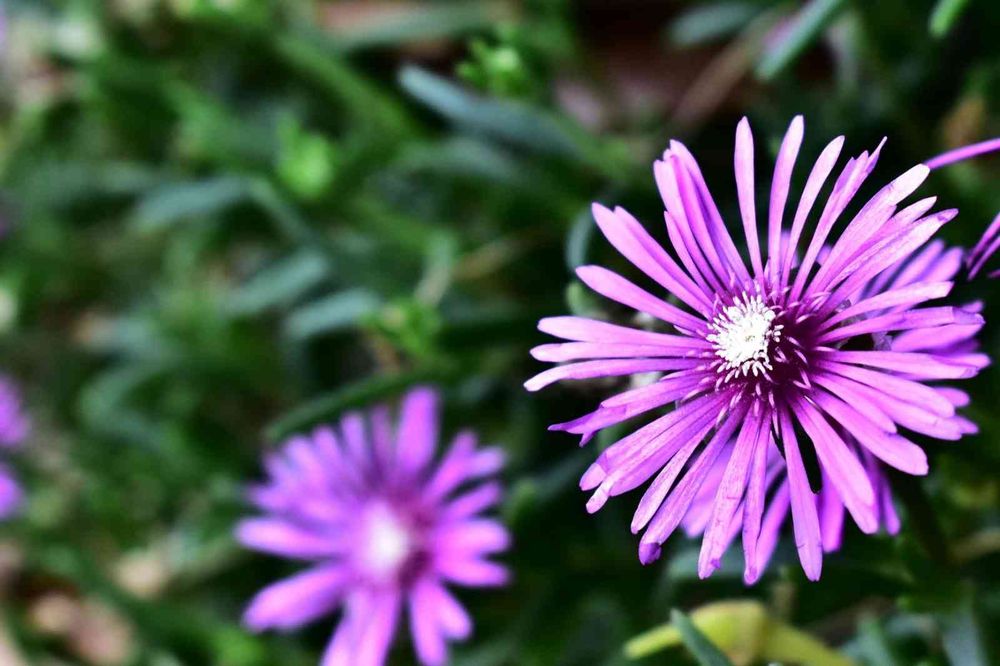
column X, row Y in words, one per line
column 472, row 572
column 743, row 166
column 560, row 352
column 817, row 177
column 893, row 449
column 753, row 512
column 842, row 465
column 985, row 248
column 905, row 389
column 777, row 510
column 592, row 369
column 428, row 637
column 617, row 288
column 716, row 225
column 418, row 429
column 630, row 238
column 963, row 153
column 582, row 329
column 295, row 601
column 668, row 516
column 475, row 537
column 11, row 495
column 730, row 492
column 804, row 518
column 279, row 537
column 913, row 364
column 780, row 186
column 907, row 296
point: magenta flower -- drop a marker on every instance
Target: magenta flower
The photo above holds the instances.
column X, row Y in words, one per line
column 955, row 342
column 383, row 526
column 800, row 349
column 14, row 427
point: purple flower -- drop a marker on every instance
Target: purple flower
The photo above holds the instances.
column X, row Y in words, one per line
column 384, row 527
column 955, row 342
column 818, row 348
column 14, row 427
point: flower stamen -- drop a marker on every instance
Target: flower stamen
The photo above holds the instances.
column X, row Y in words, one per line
column 743, row 334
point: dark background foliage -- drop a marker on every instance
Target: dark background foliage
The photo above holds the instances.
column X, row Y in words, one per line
column 227, row 220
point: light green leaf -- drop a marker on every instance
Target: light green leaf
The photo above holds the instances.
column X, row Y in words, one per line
column 805, row 28
column 744, row 631
column 279, row 284
column 703, row 650
column 511, row 121
column 421, row 22
column 961, row 634
column 944, row 16
column 331, row 313
column 710, row 22
column 874, row 644
column 177, row 202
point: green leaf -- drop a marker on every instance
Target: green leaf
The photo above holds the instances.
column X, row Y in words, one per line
column 279, row 284
column 805, row 28
column 744, row 630
column 420, row 22
column 703, row 650
column 331, row 313
column 578, row 239
column 875, row 645
column 366, row 391
column 176, row 202
column 706, row 23
column 515, row 122
column 309, row 54
column 961, row 634
column 944, row 16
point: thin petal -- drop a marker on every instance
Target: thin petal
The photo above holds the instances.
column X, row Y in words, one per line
column 804, row 517
column 743, row 166
column 418, row 429
column 730, row 492
column 298, row 600
column 780, row 186
column 842, row 465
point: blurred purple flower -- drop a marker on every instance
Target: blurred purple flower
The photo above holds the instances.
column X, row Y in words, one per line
column 766, row 354
column 14, row 427
column 384, row 527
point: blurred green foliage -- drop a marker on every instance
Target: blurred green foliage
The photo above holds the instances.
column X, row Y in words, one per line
column 231, row 219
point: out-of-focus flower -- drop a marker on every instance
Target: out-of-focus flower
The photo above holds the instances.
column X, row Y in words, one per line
column 93, row 631
column 14, row 426
column 384, row 526
column 764, row 354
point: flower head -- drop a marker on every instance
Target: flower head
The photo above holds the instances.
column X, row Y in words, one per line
column 383, row 527
column 810, row 351
column 955, row 342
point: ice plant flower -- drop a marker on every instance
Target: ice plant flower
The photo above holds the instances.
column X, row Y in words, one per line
column 14, row 427
column 384, row 526
column 957, row 342
column 792, row 357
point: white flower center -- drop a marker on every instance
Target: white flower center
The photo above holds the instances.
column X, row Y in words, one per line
column 386, row 542
column 742, row 336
